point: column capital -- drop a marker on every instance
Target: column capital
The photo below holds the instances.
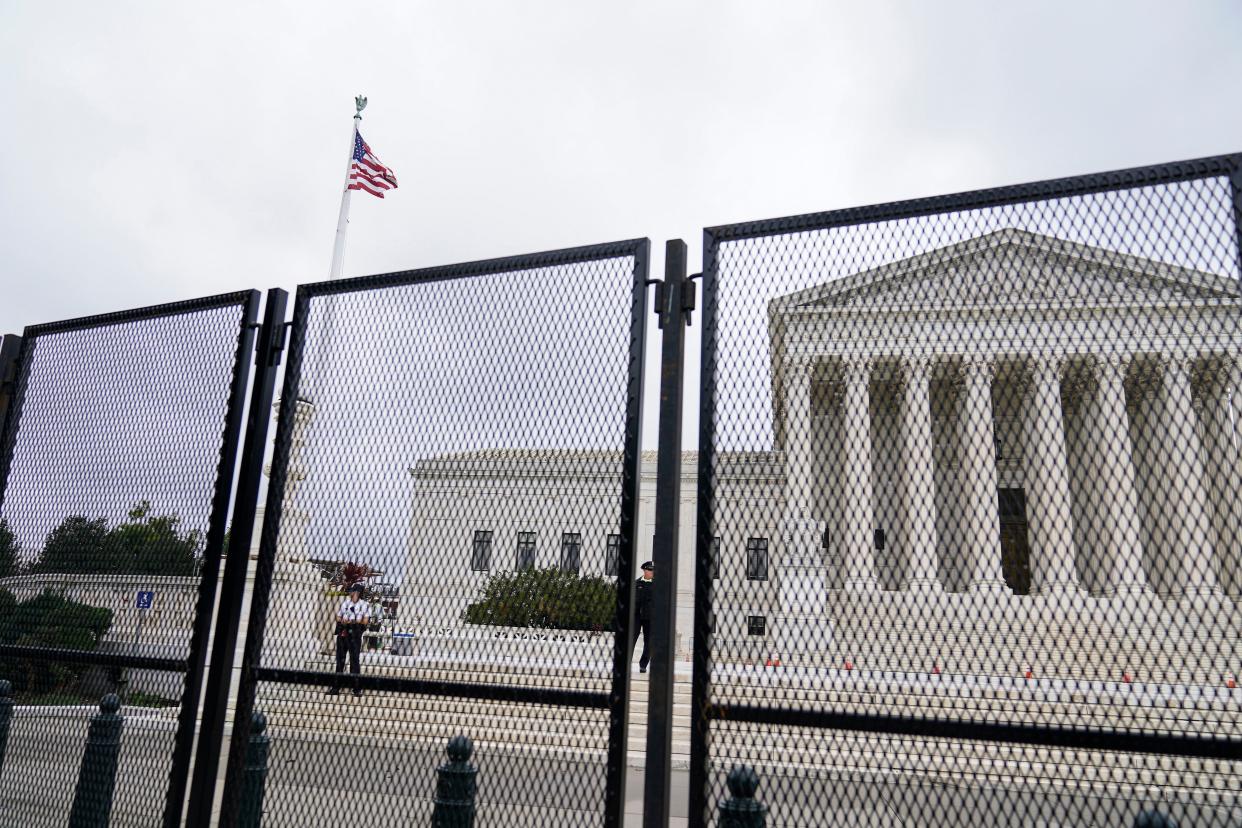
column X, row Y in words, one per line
column 978, row 368
column 1047, row 366
column 857, row 368
column 1223, row 369
column 1182, row 362
column 917, row 367
column 1113, row 365
column 799, row 367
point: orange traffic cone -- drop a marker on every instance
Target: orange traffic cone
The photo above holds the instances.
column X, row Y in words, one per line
column 1231, row 681
column 776, row 662
column 849, row 665
column 1027, row 672
column 936, row 669
column 1126, row 677
column 768, row 663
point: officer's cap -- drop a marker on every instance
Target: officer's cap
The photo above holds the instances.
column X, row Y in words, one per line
column 648, row 566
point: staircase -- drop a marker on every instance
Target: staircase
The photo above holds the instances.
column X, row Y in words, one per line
column 575, row 735
column 382, row 717
column 639, row 689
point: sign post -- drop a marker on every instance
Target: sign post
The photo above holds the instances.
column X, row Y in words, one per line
column 143, row 601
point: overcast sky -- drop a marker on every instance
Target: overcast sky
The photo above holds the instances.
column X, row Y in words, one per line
column 158, row 151
column 161, row 151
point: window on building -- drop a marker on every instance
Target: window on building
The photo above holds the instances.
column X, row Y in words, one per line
column 526, row 551
column 715, row 558
column 756, row 559
column 612, row 556
column 756, row 625
column 481, row 552
column 571, row 552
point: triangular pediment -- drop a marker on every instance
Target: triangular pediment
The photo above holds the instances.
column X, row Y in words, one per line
column 1016, row 268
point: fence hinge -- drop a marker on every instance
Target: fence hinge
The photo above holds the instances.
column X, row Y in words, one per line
column 689, row 297
column 278, row 345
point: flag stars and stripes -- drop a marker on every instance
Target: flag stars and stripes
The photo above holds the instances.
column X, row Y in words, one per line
column 367, row 173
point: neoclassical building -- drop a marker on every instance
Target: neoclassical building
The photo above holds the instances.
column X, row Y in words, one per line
column 1014, row 449
column 1016, row 413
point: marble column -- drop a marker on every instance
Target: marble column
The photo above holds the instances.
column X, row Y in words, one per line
column 919, row 501
column 979, row 467
column 1187, row 536
column 798, row 468
column 1118, row 501
column 859, row 521
column 801, row 574
column 1047, row 484
column 801, row 531
column 1224, row 468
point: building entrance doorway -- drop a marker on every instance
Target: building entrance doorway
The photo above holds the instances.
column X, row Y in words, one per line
column 1015, row 550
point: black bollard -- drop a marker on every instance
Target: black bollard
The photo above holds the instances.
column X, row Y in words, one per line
column 92, row 798
column 741, row 809
column 456, row 786
column 6, row 717
column 254, row 780
column 1154, row 819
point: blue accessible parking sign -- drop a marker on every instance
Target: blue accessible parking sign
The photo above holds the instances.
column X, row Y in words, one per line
column 144, row 600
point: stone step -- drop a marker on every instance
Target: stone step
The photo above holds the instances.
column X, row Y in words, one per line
column 790, row 752
column 388, row 707
column 779, row 684
column 816, row 751
column 376, row 712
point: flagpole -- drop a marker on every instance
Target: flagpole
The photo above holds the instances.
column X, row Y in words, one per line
column 342, row 222
column 327, row 336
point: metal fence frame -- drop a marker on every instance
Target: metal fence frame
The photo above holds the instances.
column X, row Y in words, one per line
column 703, row 710
column 194, row 663
column 615, row 701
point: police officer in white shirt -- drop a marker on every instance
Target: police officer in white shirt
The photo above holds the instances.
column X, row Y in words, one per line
column 351, row 622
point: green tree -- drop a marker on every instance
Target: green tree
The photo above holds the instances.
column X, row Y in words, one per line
column 76, row 545
column 548, row 598
column 153, row 545
column 10, row 553
column 145, row 544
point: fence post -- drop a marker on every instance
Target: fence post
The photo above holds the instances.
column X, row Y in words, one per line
column 741, row 809
column 255, row 774
column 1154, row 819
column 92, row 798
column 6, row 717
column 455, row 787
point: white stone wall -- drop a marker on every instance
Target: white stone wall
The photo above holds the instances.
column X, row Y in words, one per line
column 166, row 626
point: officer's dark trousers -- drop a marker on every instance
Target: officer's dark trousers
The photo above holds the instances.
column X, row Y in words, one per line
column 643, row 625
column 350, row 642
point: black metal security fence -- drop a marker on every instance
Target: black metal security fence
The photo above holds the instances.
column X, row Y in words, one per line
column 967, row 531
column 117, row 464
column 448, row 544
column 969, row 522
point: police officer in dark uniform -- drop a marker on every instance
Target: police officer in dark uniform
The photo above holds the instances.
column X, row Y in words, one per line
column 352, row 618
column 642, row 614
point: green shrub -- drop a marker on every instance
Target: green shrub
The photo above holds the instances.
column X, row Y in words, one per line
column 53, row 621
column 547, row 598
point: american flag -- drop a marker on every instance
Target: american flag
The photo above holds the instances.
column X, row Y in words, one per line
column 367, row 173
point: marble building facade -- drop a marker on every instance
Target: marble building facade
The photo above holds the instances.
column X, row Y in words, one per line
column 1016, row 434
